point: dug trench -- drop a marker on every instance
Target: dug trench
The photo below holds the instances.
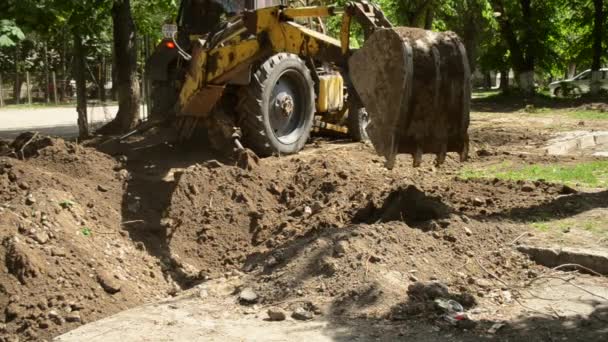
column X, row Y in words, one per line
column 88, row 231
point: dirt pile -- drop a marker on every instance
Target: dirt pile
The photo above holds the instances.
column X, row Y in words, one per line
column 65, row 257
column 342, row 232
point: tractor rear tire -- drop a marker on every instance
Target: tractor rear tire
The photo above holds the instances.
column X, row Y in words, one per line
column 276, row 110
column 164, row 96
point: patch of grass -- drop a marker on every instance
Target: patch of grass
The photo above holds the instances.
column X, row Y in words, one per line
column 591, row 174
column 596, row 226
column 587, row 115
column 482, row 94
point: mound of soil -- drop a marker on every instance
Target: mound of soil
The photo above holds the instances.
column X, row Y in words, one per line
column 65, row 257
column 341, row 231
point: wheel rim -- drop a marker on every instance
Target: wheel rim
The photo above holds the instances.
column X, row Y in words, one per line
column 287, row 107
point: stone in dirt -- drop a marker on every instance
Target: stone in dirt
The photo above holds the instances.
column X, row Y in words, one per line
column 528, row 187
column 73, row 316
column 276, row 315
column 58, row 251
column 302, row 314
column 102, row 188
column 109, row 283
column 430, row 290
column 30, row 200
column 41, row 237
column 248, row 296
column 478, row 202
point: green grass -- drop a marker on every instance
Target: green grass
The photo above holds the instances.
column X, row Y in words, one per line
column 591, row 174
column 482, row 94
column 596, row 226
column 587, row 115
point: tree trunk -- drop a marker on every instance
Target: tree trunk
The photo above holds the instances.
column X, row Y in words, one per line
column 125, row 57
column 81, row 86
column 487, row 80
column 598, row 25
column 522, row 58
column 102, row 79
column 18, row 80
column 47, row 76
column 504, row 80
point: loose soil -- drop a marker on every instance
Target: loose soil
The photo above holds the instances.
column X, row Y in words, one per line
column 87, row 231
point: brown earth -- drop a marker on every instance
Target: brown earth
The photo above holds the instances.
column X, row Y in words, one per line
column 89, row 231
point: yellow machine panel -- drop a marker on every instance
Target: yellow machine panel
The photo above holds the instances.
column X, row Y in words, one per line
column 331, row 93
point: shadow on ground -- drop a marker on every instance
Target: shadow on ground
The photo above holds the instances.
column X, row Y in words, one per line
column 513, row 102
column 560, row 208
column 154, row 162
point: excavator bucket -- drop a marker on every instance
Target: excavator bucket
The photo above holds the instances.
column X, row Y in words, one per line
column 415, row 85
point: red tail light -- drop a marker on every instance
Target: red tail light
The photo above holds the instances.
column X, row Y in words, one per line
column 170, row 45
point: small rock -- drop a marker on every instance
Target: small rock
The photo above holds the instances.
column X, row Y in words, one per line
column 436, row 235
column 340, row 248
column 276, row 315
column 430, row 290
column 483, row 283
column 248, row 296
column 30, row 200
column 307, row 210
column 102, row 188
column 44, row 324
column 302, row 314
column 528, row 188
column 123, row 175
column 413, row 278
column 13, row 311
column 12, row 176
column 465, row 219
column 484, row 153
column 109, row 283
column 41, row 237
column 468, row 231
column 73, row 316
column 24, row 186
column 478, row 202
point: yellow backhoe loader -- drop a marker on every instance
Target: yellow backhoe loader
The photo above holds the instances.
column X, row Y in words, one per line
column 266, row 74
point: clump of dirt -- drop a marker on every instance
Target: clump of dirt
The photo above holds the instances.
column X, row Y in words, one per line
column 65, row 257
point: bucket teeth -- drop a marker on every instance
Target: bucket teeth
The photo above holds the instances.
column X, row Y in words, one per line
column 418, row 156
column 441, row 156
column 464, row 154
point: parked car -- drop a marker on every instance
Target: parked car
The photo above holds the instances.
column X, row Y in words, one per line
column 578, row 84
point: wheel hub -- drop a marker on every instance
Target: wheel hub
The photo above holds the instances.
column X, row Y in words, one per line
column 285, row 104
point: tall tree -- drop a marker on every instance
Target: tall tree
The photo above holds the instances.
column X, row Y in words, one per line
column 522, row 57
column 125, row 61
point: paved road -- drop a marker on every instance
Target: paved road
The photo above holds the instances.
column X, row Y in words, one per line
column 60, row 121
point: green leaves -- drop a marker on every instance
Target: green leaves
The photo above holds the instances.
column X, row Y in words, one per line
column 10, row 33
